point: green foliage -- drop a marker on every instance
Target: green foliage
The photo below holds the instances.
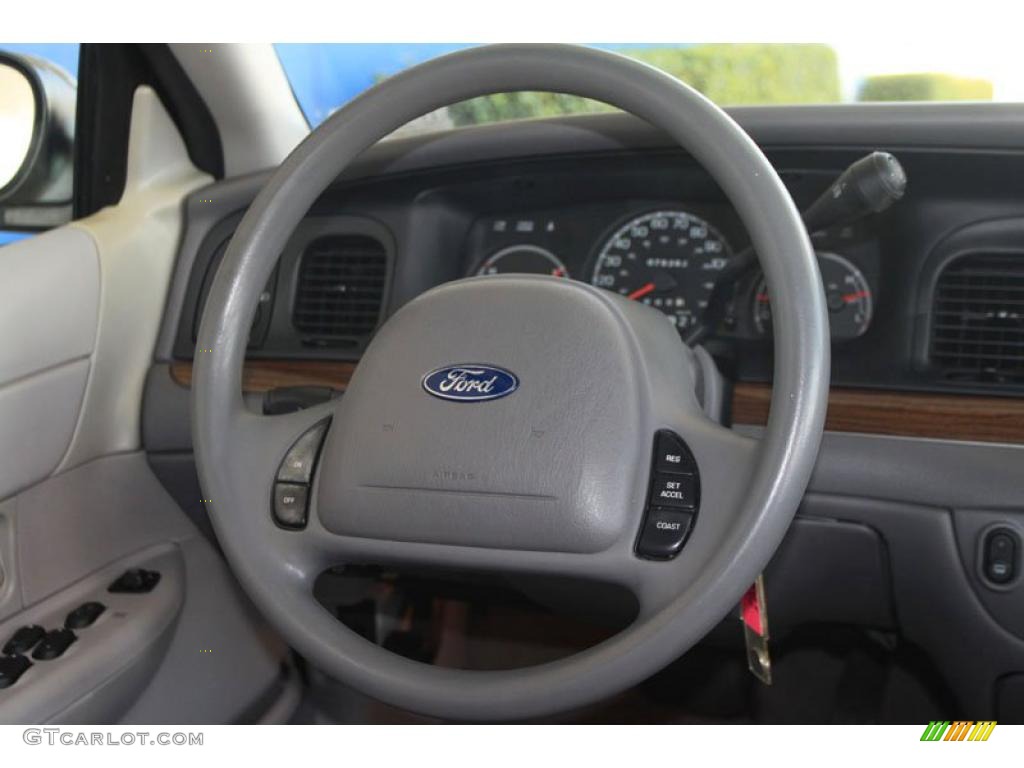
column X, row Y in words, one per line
column 924, row 87
column 727, row 74
column 752, row 73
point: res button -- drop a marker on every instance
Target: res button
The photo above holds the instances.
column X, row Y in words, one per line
column 672, row 455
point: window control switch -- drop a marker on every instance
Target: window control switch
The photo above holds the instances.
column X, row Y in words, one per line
column 84, row 615
column 135, row 581
column 11, row 668
column 23, row 640
column 54, row 644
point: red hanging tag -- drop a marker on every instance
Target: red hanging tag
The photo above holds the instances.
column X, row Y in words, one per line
column 754, row 614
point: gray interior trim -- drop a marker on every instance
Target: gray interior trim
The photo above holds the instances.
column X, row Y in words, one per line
column 199, row 218
column 220, row 659
column 49, row 301
column 250, row 99
column 136, row 242
column 937, row 608
column 39, row 414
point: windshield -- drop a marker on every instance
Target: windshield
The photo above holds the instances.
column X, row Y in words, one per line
column 325, row 77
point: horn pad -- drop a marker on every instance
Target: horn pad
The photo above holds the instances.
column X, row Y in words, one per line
column 559, row 461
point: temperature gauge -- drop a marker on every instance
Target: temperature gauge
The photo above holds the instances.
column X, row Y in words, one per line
column 847, row 295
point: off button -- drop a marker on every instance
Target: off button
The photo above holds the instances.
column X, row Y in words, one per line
column 675, row 491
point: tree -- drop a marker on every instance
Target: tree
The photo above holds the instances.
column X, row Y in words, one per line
column 924, row 87
column 727, row 74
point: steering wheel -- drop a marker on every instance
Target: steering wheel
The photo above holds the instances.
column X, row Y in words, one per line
column 422, row 463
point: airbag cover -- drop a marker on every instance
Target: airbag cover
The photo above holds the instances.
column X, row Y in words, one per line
column 549, row 466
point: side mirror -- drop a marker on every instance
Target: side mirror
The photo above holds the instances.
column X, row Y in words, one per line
column 37, row 128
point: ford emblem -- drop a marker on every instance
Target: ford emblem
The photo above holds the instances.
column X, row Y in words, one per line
column 470, row 382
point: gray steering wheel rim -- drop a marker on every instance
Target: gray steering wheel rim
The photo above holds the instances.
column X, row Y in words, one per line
column 788, row 448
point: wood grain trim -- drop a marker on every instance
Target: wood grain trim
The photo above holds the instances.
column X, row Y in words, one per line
column 906, row 414
column 261, row 375
column 877, row 412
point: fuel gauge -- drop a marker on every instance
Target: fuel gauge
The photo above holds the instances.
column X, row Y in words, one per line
column 847, row 295
column 523, row 259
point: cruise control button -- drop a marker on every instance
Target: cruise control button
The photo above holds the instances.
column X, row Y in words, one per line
column 11, row 668
column 664, row 534
column 290, row 505
column 24, row 639
column 298, row 463
column 671, row 454
column 84, row 615
column 54, row 644
column 678, row 491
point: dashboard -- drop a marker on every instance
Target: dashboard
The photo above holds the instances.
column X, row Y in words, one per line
column 917, row 304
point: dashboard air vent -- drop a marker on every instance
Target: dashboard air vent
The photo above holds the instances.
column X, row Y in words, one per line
column 978, row 319
column 341, row 287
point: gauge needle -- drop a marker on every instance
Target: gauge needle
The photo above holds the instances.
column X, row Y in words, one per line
column 642, row 291
column 851, row 297
column 558, row 272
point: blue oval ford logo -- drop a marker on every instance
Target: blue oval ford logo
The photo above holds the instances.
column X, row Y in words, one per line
column 470, row 382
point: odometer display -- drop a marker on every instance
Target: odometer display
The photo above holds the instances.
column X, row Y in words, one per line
column 668, row 260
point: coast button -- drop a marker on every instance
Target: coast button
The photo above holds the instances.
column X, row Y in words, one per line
column 664, row 534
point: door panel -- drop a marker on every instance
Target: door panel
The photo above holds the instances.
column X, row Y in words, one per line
column 49, row 299
column 79, row 314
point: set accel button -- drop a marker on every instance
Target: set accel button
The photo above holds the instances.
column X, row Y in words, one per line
column 676, row 491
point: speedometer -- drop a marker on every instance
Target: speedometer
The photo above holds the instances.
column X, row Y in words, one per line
column 668, row 260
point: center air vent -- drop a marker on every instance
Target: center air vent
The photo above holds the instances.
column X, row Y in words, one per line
column 341, row 287
column 978, row 319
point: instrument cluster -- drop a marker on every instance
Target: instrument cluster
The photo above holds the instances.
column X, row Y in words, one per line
column 670, row 257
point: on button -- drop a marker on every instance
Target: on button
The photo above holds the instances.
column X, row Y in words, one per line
column 297, row 466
